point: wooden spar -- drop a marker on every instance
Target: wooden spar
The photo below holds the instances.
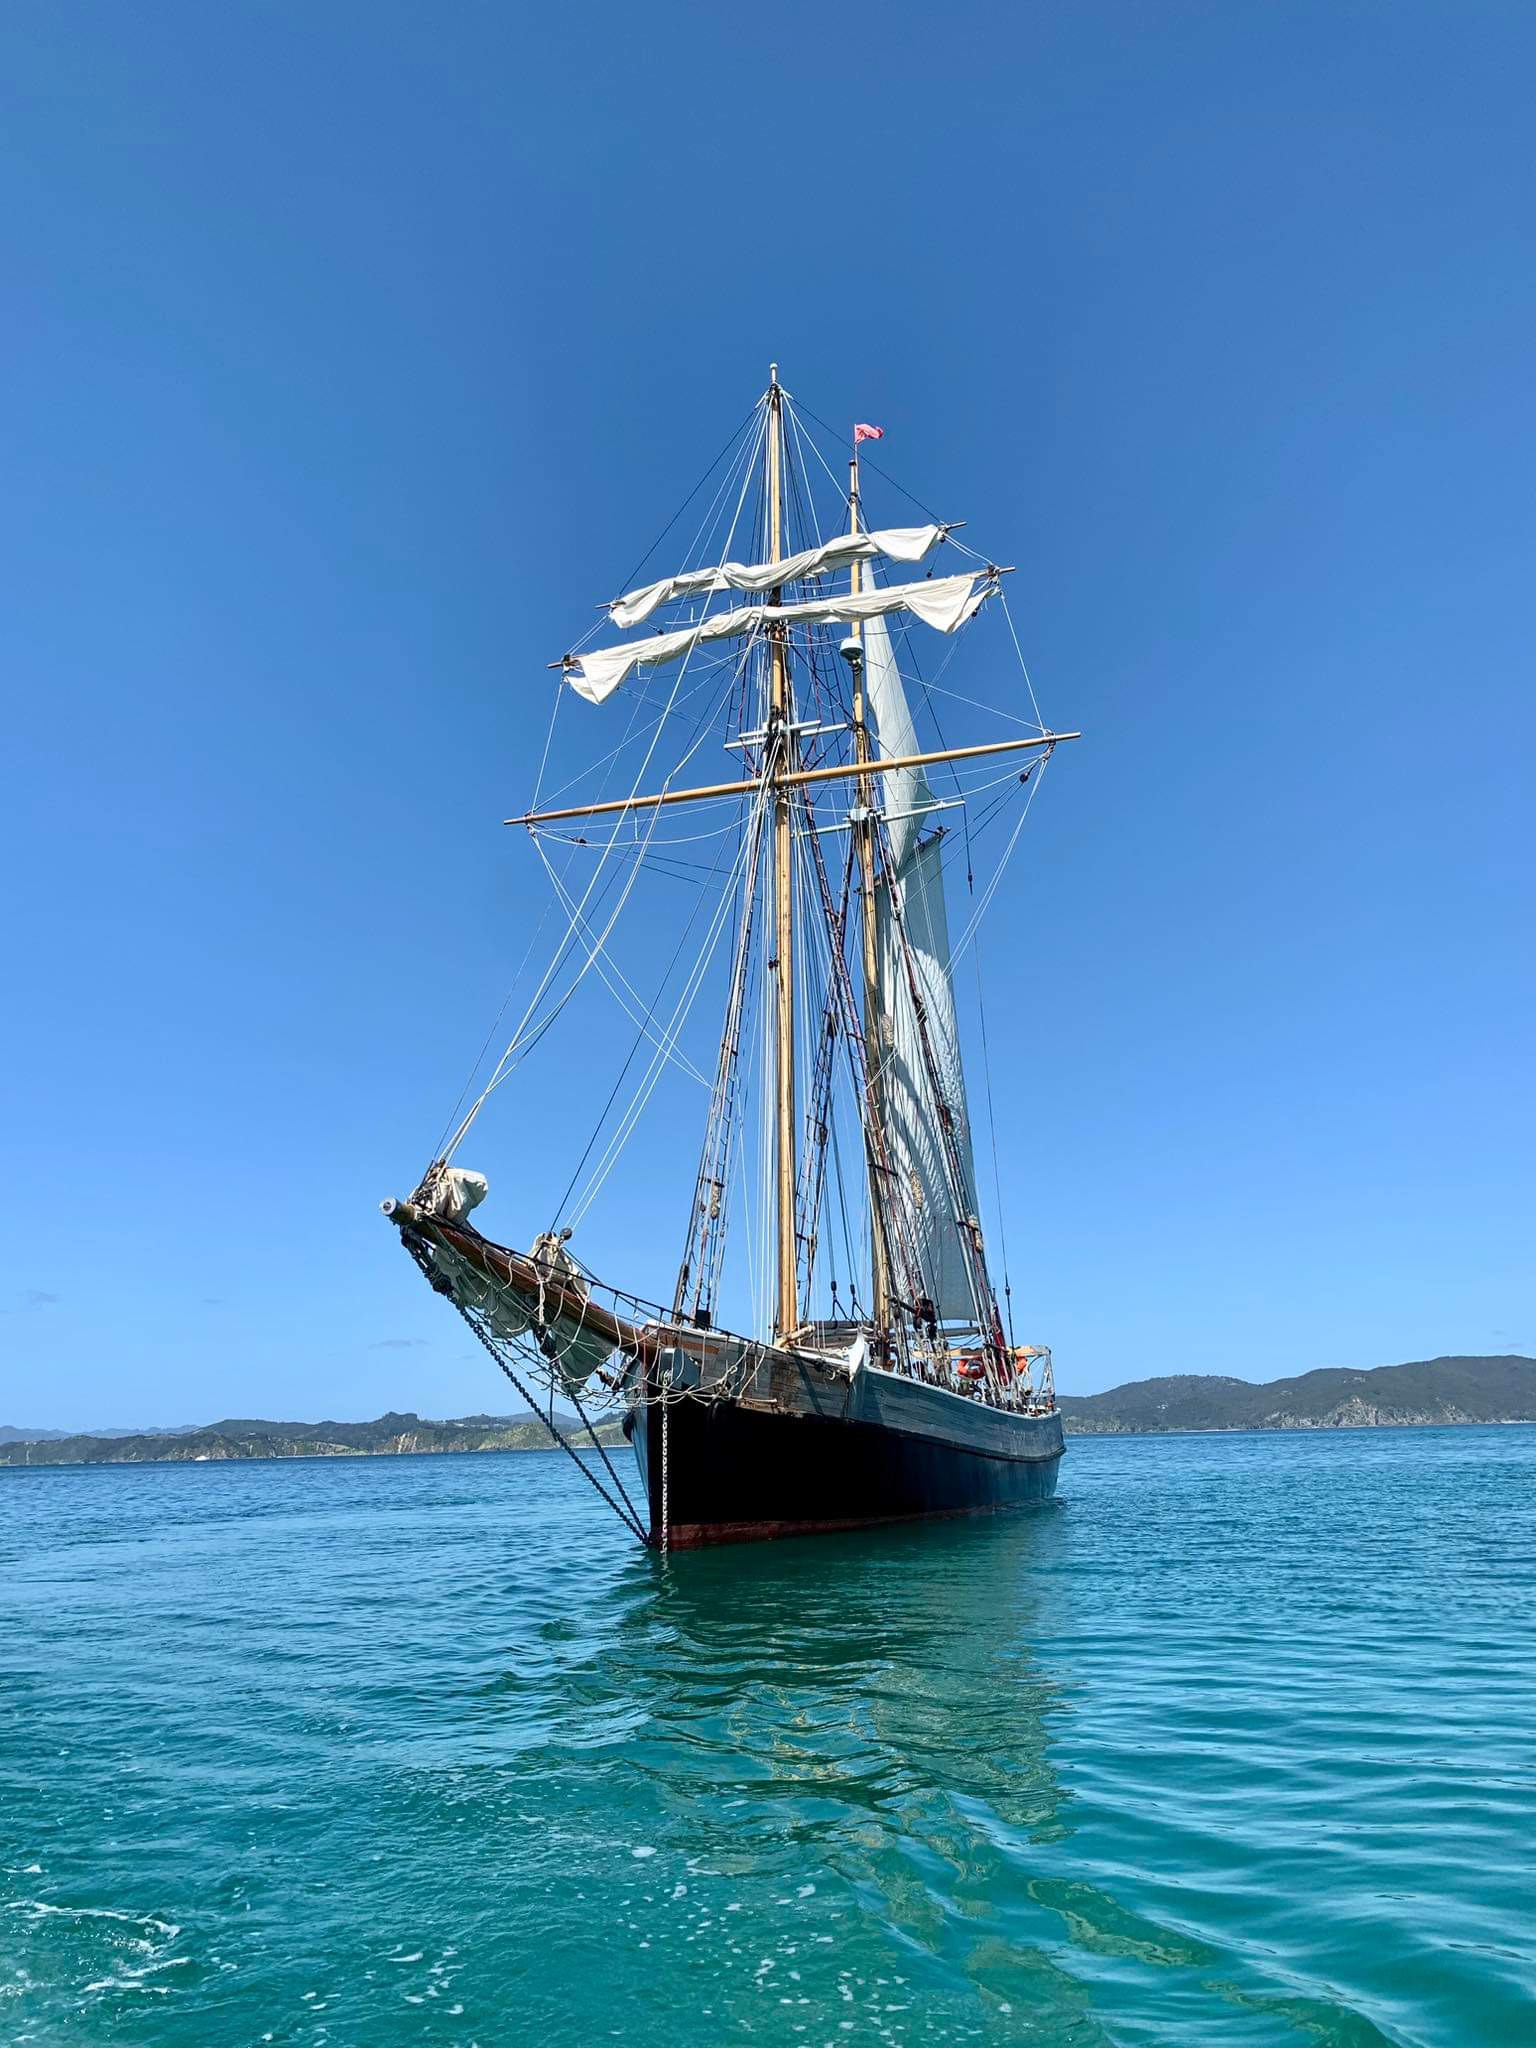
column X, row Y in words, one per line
column 547, row 1291
column 550, row 1296
column 796, row 776
column 777, row 762
column 864, row 841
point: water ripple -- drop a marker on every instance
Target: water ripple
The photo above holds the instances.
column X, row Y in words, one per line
column 1232, row 1746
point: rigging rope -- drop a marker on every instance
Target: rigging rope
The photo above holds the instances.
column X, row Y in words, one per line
column 441, row 1149
column 673, row 1027
column 997, row 1178
column 869, row 462
column 505, row 1064
column 712, row 1178
column 641, row 1034
column 626, row 1513
column 640, row 1014
column 737, row 430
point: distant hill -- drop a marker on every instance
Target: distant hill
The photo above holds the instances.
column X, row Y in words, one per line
column 1431, row 1391
column 390, row 1436
column 9, row 1434
column 1435, row 1390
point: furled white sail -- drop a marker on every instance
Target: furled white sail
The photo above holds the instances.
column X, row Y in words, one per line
column 904, row 792
column 913, row 1108
column 571, row 1348
column 943, row 602
column 896, row 543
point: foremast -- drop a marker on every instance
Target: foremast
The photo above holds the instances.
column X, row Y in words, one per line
column 779, row 760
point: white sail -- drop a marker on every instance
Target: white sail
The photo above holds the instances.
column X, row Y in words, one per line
column 912, row 1110
column 943, row 602
column 896, row 543
column 904, row 791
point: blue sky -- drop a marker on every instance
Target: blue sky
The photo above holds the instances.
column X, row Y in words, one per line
column 353, row 353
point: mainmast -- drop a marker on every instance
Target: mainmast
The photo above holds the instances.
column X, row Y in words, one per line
column 864, row 840
column 778, row 761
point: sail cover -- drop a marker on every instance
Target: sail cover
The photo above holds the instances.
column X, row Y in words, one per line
column 896, row 543
column 913, row 1100
column 943, row 602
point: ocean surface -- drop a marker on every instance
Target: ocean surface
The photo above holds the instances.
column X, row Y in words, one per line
column 1236, row 1744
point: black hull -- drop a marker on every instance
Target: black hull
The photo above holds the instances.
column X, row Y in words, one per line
column 739, row 1474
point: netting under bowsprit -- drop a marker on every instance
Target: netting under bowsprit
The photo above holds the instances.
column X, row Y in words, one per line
column 565, row 1339
column 575, row 1337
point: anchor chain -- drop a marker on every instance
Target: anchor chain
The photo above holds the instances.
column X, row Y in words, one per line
column 666, row 1496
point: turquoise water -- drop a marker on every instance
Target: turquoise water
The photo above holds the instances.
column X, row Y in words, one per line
column 1234, row 1744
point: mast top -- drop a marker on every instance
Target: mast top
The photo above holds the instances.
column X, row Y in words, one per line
column 773, row 375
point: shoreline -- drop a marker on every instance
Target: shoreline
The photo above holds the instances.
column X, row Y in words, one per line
column 350, row 1456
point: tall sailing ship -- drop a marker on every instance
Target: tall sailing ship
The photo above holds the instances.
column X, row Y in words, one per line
column 882, row 1381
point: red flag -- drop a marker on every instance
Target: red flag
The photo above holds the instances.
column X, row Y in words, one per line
column 863, row 432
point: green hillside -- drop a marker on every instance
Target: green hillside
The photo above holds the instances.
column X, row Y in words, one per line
column 391, row 1435
column 1431, row 1390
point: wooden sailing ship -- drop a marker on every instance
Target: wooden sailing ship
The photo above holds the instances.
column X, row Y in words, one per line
column 881, row 1394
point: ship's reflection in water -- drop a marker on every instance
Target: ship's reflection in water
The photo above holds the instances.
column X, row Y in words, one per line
column 839, row 1684
column 852, row 1737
